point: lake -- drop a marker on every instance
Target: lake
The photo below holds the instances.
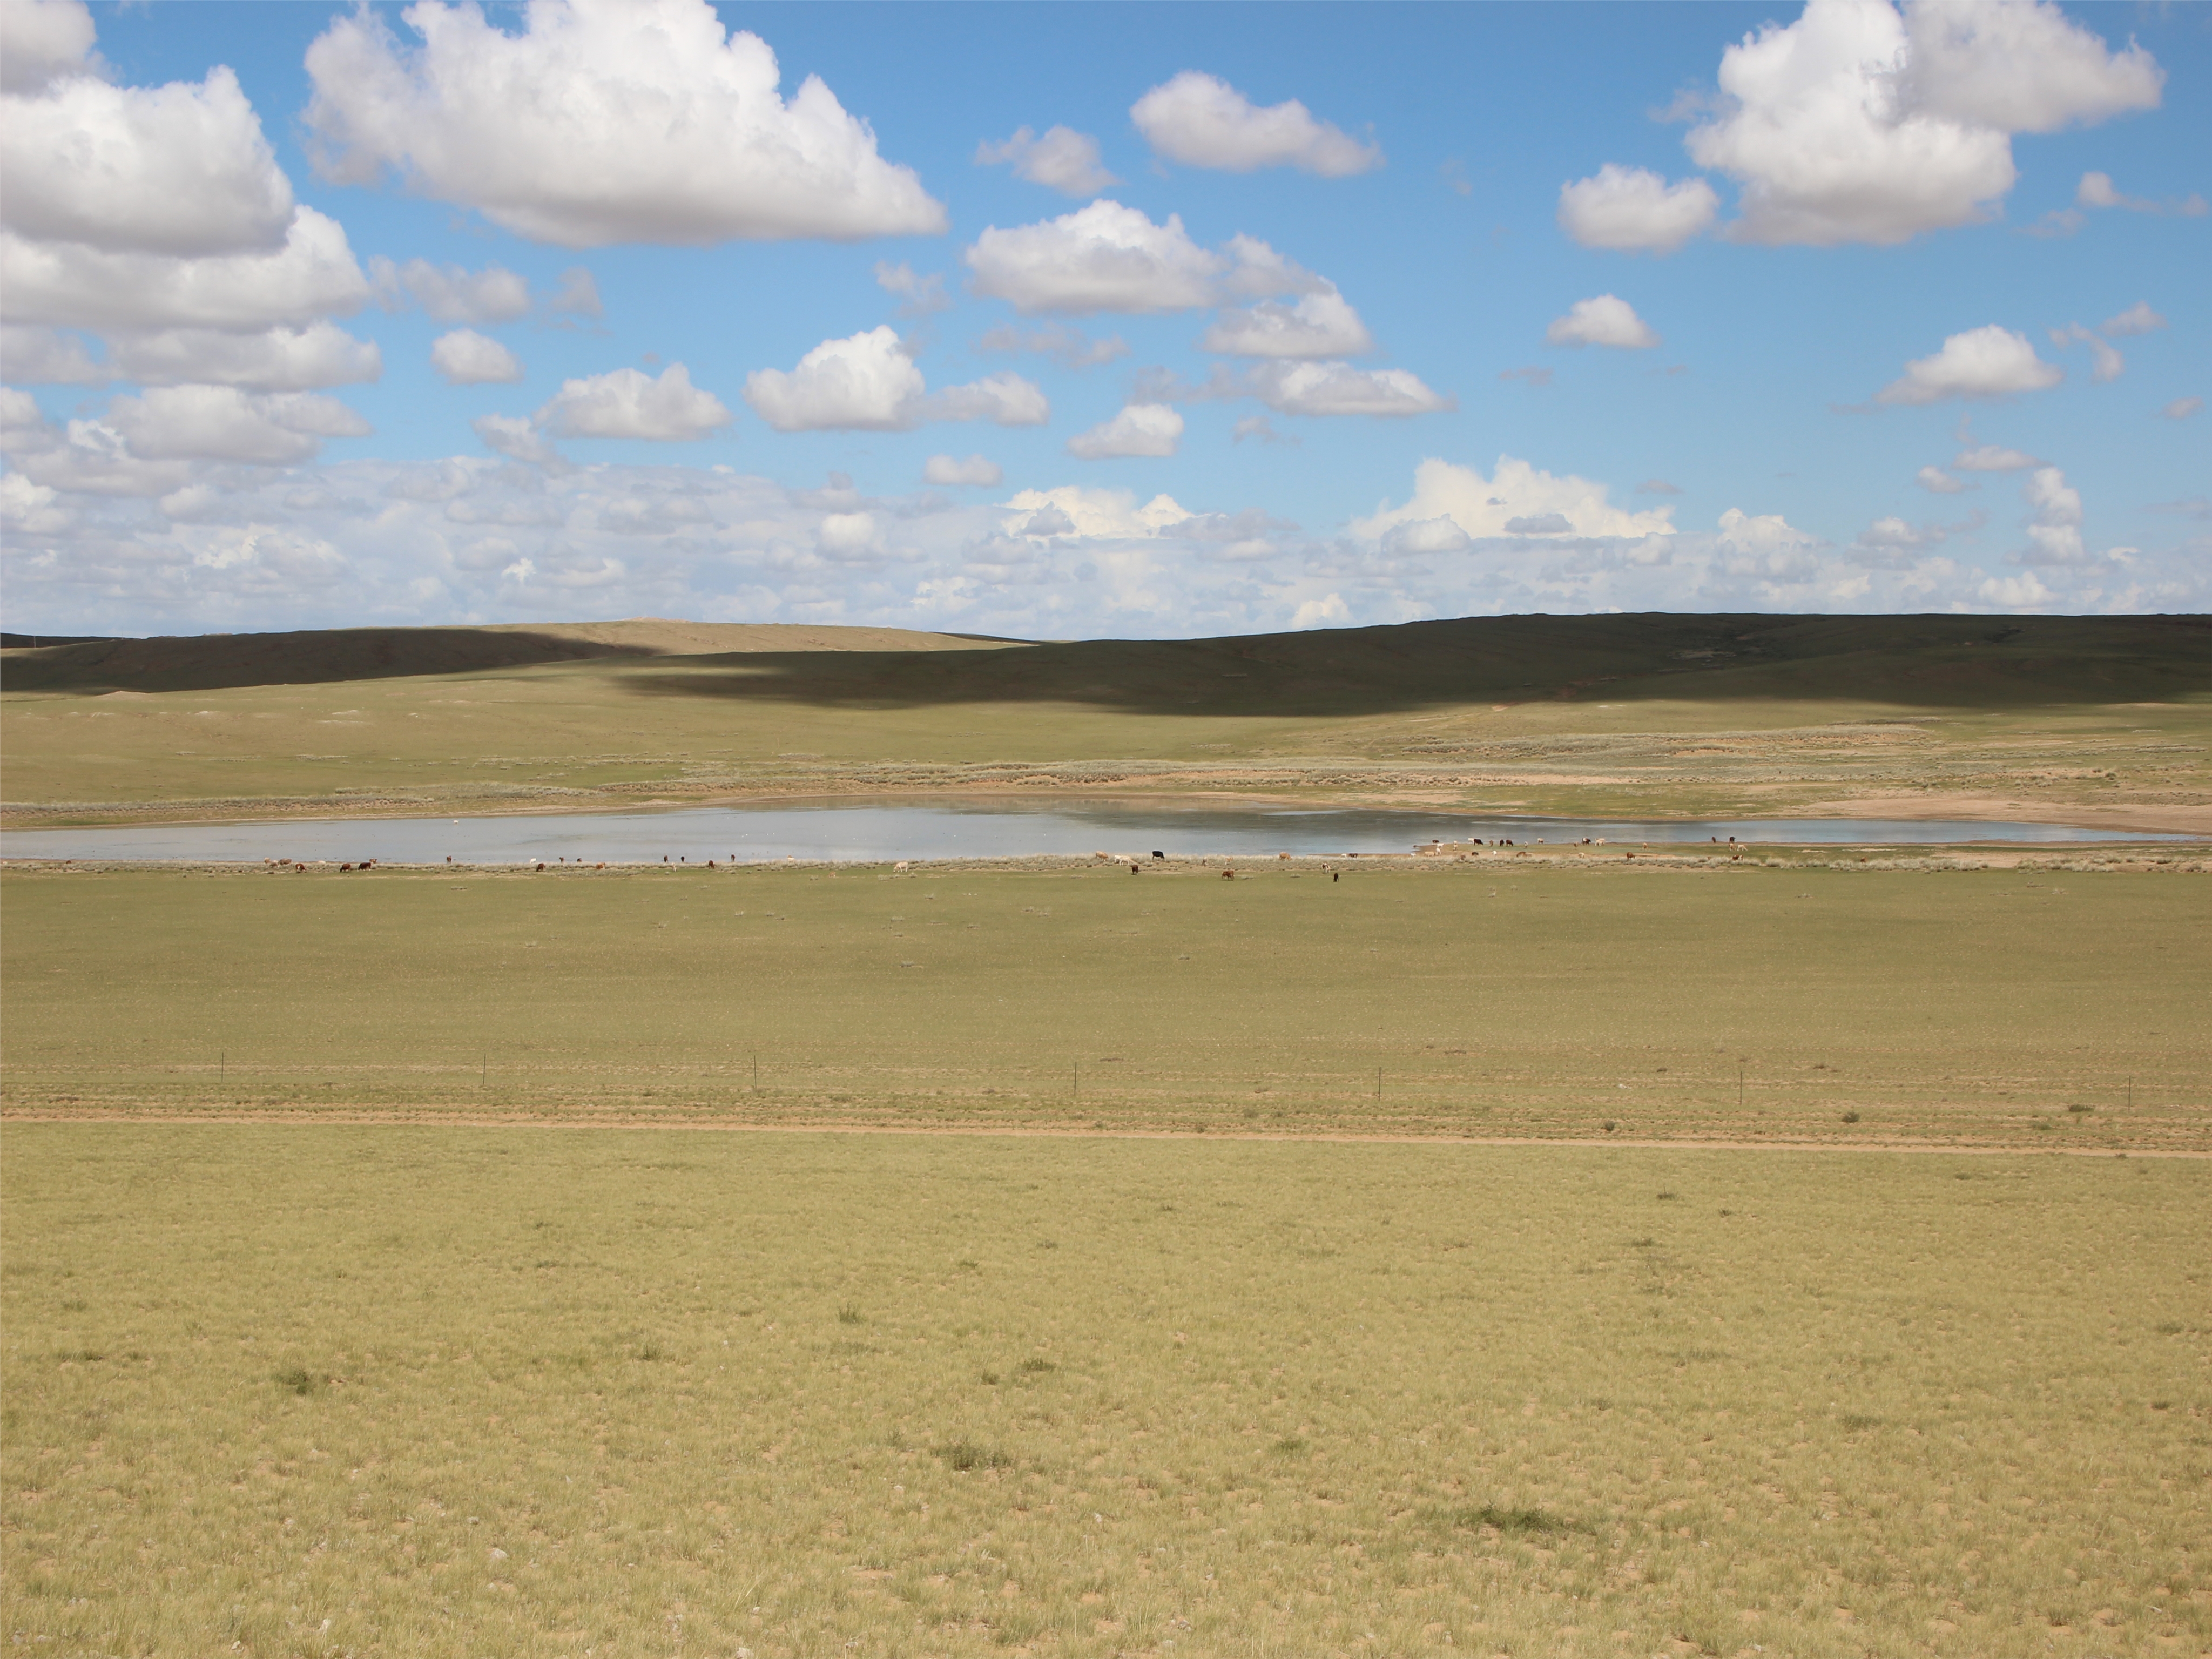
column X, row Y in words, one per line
column 864, row 832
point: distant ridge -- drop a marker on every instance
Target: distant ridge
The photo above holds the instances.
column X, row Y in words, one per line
column 1929, row 661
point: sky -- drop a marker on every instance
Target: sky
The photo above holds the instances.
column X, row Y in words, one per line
column 1088, row 320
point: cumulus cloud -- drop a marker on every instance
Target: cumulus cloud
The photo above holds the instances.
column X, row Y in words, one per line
column 512, row 437
column 311, row 277
column 857, row 383
column 1657, row 487
column 1634, row 209
column 2106, row 363
column 466, row 358
column 1105, row 257
column 1938, row 482
column 2054, row 533
column 1335, row 388
column 277, row 360
column 1003, row 400
column 42, row 41
column 947, row 471
column 918, row 296
column 2181, row 408
column 1069, row 347
column 1326, row 612
column 577, row 296
column 1320, row 325
column 642, row 122
column 1063, row 159
column 42, row 356
column 1097, row 514
column 1991, row 362
column 1605, row 320
column 1993, row 458
column 2137, row 318
column 1259, row 426
column 1428, row 535
column 181, row 169
column 223, row 424
column 1483, row 508
column 1854, row 124
column 625, row 402
column 1202, row 121
column 451, row 294
column 1140, row 430
column 869, row 382
column 2096, row 189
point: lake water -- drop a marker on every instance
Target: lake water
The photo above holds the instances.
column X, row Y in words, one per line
column 869, row 831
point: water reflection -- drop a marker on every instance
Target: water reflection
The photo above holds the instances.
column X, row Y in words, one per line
column 868, row 831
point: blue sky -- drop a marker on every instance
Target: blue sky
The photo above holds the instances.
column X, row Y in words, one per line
column 1278, row 317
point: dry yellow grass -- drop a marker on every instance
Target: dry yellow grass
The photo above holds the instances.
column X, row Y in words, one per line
column 326, row 1390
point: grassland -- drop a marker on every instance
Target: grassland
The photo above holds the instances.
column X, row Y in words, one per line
column 1794, row 998
column 2105, row 721
column 332, row 1389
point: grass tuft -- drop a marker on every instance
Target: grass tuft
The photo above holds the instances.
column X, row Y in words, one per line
column 298, row 1380
column 966, row 1456
column 1514, row 1522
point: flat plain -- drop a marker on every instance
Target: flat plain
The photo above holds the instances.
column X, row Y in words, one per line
column 1537, row 1251
column 345, row 1389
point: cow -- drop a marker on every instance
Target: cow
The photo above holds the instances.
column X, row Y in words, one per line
column 1159, row 855
column 1229, row 875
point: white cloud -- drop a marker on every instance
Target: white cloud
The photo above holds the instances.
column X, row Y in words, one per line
column 1096, row 515
column 1635, row 209
column 517, row 439
column 1993, row 458
column 1605, row 320
column 846, row 535
column 1321, row 324
column 1003, row 400
column 466, row 358
column 2054, row 533
column 1063, row 159
column 311, row 277
column 1938, row 482
column 639, row 122
column 29, row 509
column 2096, row 189
column 1321, row 613
column 1482, row 508
column 1991, row 362
column 2106, row 364
column 1259, row 426
column 918, row 296
column 279, row 360
column 625, row 402
column 1202, row 121
column 42, row 41
column 1767, row 548
column 40, row 356
column 1071, row 348
column 948, row 470
column 1140, row 430
column 2021, row 66
column 222, row 423
column 1102, row 257
column 2022, row 592
column 451, row 294
column 1855, row 125
column 2181, row 408
column 868, row 382
column 579, row 296
column 1333, row 388
column 1420, row 536
column 180, row 170
column 2137, row 318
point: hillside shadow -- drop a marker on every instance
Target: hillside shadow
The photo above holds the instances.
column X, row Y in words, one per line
column 1945, row 662
column 213, row 662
